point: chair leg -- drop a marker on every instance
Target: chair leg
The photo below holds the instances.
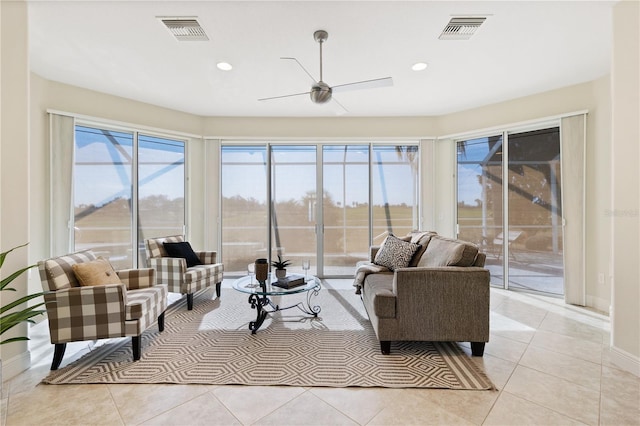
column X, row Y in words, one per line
column 161, row 322
column 385, row 347
column 477, row 348
column 58, row 354
column 189, row 301
column 136, row 344
column 218, row 285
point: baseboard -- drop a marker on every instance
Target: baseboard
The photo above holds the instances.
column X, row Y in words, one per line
column 599, row 304
column 625, row 361
column 16, row 365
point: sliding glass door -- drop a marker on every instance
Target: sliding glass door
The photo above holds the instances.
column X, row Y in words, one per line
column 345, row 207
column 245, row 206
column 126, row 187
column 271, row 203
column 535, row 215
column 480, row 206
column 518, row 225
column 103, row 194
column 161, row 203
column 394, row 190
column 293, row 205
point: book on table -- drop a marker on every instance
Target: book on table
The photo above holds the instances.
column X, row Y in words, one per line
column 290, row 281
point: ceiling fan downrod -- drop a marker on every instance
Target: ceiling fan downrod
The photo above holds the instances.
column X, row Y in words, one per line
column 320, row 92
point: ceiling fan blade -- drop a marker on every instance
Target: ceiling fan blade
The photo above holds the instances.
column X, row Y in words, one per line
column 365, row 84
column 303, row 68
column 283, row 96
column 339, row 111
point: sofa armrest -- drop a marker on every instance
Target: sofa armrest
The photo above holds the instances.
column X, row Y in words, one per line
column 373, row 250
column 207, row 257
column 137, row 278
column 458, row 295
column 170, row 271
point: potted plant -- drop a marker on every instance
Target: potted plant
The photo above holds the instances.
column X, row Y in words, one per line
column 281, row 267
column 8, row 320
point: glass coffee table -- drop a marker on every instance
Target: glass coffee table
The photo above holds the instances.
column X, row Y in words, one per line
column 260, row 297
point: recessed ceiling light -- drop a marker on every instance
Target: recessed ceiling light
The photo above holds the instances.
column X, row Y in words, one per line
column 420, row 66
column 224, row 66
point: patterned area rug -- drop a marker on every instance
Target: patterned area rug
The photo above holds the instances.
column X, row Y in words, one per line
column 212, row 345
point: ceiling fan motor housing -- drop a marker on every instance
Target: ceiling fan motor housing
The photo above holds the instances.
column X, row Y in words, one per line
column 320, row 92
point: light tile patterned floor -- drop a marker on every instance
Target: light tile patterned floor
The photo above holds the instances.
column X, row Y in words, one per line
column 549, row 361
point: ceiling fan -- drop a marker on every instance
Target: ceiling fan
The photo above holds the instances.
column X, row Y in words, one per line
column 320, row 91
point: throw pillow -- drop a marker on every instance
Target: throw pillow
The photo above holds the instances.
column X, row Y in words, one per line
column 395, row 253
column 423, row 239
column 443, row 251
column 184, row 250
column 95, row 272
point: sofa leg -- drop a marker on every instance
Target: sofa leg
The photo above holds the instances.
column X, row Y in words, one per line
column 385, row 347
column 189, row 301
column 218, row 286
column 136, row 344
column 58, row 354
column 161, row 322
column 477, row 348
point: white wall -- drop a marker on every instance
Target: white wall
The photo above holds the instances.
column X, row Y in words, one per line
column 319, row 128
column 624, row 215
column 14, row 168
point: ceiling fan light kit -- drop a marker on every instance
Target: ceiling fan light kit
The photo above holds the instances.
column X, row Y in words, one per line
column 321, row 92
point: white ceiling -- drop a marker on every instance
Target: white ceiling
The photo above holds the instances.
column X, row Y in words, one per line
column 122, row 48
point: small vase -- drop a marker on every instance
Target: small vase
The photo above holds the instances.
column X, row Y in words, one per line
column 281, row 273
column 262, row 270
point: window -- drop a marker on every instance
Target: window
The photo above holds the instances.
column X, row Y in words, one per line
column 394, row 190
column 245, row 210
column 271, row 203
column 112, row 170
column 519, row 226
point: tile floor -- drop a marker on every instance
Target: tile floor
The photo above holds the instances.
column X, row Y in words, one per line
column 549, row 362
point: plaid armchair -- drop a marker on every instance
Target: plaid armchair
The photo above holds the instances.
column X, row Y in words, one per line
column 174, row 271
column 93, row 312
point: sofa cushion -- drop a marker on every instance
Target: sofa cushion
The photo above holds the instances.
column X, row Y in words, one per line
column 200, row 272
column 58, row 272
column 182, row 249
column 422, row 238
column 95, row 272
column 443, row 251
column 395, row 253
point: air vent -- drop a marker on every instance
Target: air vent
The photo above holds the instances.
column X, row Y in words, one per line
column 185, row 29
column 461, row 28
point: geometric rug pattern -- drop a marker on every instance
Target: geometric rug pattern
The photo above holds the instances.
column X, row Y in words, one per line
column 212, row 345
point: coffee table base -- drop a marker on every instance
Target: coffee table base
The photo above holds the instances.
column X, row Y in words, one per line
column 261, row 302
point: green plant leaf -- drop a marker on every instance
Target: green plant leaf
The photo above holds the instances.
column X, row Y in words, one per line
column 13, row 339
column 12, row 277
column 20, row 301
column 15, row 318
column 10, row 320
column 3, row 255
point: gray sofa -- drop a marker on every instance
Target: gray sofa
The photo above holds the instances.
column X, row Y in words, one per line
column 442, row 294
